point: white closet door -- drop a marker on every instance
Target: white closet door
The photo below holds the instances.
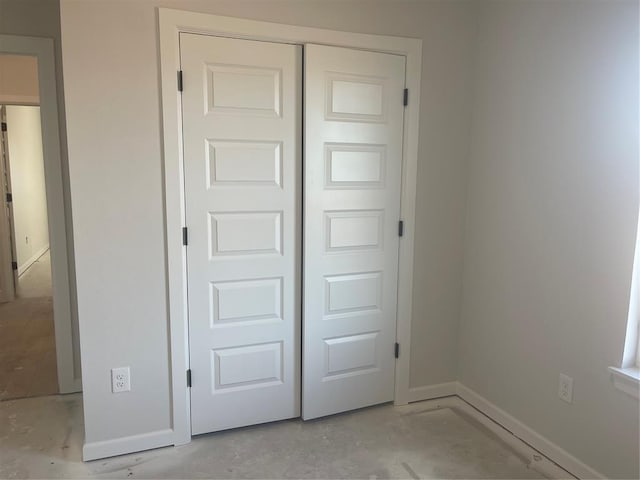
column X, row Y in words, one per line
column 353, row 157
column 241, row 130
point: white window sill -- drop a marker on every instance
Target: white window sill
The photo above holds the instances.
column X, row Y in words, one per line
column 627, row 380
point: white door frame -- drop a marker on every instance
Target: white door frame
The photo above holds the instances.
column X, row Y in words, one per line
column 171, row 24
column 7, row 244
column 42, row 49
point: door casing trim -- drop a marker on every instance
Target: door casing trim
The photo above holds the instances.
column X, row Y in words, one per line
column 173, row 22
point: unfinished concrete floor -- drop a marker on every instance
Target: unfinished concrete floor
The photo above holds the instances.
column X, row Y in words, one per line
column 42, row 438
column 28, row 365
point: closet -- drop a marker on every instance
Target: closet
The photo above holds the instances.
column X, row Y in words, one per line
column 292, row 159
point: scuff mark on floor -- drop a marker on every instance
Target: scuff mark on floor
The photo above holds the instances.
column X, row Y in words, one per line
column 410, row 471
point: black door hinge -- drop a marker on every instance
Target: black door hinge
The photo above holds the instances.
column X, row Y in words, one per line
column 400, row 228
column 9, row 198
column 405, row 97
column 14, row 265
column 396, row 350
column 4, row 126
column 185, row 237
column 189, row 378
column 179, row 80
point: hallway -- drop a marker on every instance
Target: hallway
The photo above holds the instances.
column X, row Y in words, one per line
column 27, row 340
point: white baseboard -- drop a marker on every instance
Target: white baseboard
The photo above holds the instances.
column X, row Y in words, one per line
column 74, row 387
column 519, row 436
column 124, row 445
column 418, row 394
column 34, row 258
column 528, row 435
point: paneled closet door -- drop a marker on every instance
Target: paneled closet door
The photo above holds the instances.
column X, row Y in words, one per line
column 242, row 165
column 353, row 156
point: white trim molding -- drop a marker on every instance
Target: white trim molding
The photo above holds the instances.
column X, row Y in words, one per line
column 123, row 445
column 626, row 380
column 171, row 24
column 34, row 258
column 42, row 49
column 559, row 463
column 534, row 459
column 417, row 394
column 528, row 435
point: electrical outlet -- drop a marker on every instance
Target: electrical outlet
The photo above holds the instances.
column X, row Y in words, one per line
column 120, row 380
column 565, row 388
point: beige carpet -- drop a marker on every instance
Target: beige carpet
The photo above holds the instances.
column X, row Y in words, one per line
column 27, row 342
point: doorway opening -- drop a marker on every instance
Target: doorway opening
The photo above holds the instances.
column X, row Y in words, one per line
column 27, row 331
column 35, row 251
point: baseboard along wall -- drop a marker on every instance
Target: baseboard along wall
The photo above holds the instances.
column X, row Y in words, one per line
column 542, row 454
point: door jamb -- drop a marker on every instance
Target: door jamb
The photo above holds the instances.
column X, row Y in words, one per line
column 42, row 49
column 5, row 182
column 173, row 22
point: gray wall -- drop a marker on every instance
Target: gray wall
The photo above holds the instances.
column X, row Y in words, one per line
column 113, row 120
column 546, row 92
column 41, row 18
column 552, row 211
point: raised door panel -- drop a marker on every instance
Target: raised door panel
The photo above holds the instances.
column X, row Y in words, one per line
column 246, row 163
column 246, row 233
column 246, row 301
column 244, row 90
column 354, row 165
column 247, row 368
